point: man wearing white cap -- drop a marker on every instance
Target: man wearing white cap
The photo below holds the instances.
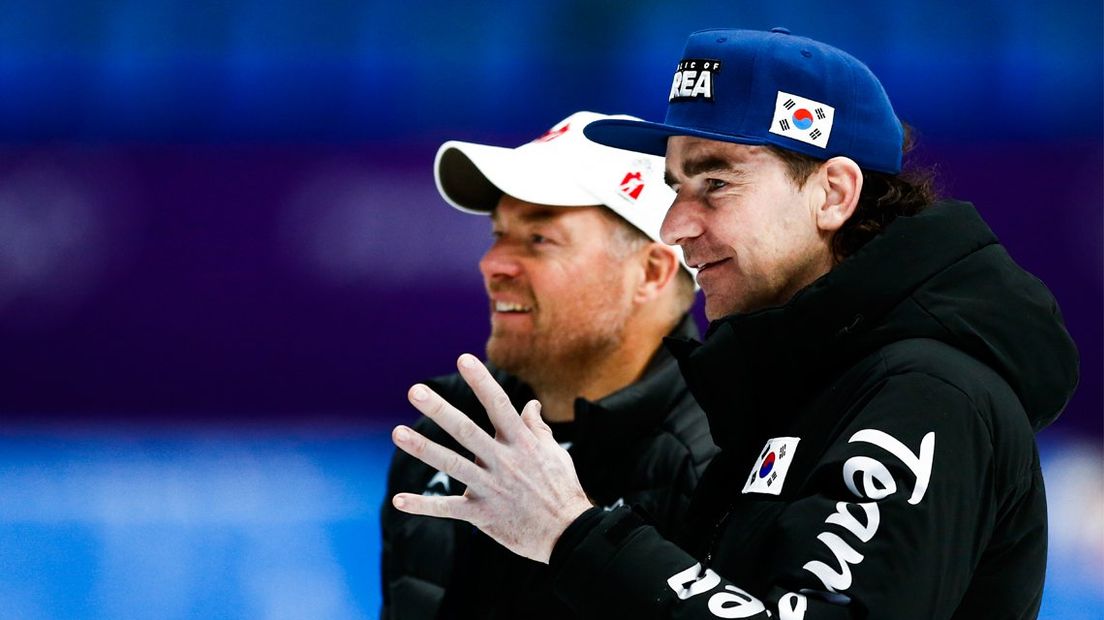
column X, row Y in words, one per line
column 581, row 295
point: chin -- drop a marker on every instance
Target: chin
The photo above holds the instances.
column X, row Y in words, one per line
column 507, row 354
column 738, row 302
column 720, row 309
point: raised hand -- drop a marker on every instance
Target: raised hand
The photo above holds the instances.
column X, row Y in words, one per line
column 522, row 488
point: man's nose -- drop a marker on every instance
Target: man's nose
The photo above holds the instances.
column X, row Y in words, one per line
column 499, row 262
column 682, row 221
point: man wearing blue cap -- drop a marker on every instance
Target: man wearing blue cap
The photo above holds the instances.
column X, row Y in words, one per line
column 874, row 372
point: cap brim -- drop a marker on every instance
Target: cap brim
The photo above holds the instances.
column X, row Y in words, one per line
column 473, row 177
column 651, row 138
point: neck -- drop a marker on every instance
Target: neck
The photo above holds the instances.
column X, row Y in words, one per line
column 596, row 377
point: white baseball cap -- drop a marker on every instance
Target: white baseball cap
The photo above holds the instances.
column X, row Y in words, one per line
column 560, row 168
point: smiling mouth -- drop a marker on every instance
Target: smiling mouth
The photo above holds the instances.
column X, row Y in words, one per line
column 506, row 307
column 709, row 265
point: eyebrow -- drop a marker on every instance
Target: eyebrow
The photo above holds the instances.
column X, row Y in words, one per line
column 711, row 163
column 531, row 216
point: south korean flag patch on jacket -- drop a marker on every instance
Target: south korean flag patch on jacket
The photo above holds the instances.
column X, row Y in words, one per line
column 769, row 473
column 802, row 119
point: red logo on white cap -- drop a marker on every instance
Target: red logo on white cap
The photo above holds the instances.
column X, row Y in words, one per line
column 553, row 133
column 632, row 185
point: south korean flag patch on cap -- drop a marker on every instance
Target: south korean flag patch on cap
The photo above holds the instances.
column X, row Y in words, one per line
column 769, row 473
column 802, row 119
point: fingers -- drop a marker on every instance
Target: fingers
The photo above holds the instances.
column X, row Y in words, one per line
column 451, row 420
column 439, row 457
column 531, row 417
column 499, row 409
column 447, row 506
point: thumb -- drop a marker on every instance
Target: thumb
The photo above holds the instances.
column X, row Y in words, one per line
column 531, row 416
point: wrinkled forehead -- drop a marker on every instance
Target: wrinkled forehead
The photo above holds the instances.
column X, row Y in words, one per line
column 689, row 155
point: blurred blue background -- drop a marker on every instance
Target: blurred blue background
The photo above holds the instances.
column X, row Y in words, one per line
column 223, row 260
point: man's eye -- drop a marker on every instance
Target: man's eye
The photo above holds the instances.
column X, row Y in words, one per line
column 537, row 239
column 715, row 184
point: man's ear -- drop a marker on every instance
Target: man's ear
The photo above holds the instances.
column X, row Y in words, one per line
column 660, row 266
column 842, row 180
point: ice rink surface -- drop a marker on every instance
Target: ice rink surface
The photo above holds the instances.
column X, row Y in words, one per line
column 283, row 523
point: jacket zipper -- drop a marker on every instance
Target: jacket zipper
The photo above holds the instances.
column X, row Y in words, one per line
column 714, row 540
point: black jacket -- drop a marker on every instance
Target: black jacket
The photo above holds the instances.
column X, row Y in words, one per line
column 645, row 445
column 901, row 392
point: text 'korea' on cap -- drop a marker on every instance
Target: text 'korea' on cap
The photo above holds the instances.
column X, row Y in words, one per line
column 753, row 87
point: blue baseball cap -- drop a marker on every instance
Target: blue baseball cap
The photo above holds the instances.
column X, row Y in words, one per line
column 753, row 87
